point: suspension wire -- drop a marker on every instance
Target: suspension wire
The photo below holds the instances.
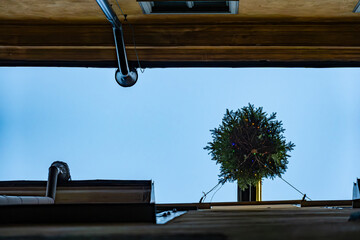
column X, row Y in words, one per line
column 202, row 199
column 136, row 53
column 304, row 195
column 120, row 8
column 133, row 35
column 216, row 192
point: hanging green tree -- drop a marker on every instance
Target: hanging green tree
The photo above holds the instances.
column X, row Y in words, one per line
column 249, row 145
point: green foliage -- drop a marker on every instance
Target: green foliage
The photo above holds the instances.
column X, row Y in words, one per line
column 249, row 146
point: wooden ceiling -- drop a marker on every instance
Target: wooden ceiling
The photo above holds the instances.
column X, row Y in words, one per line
column 263, row 33
column 88, row 10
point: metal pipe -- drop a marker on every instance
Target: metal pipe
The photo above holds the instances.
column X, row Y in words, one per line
column 124, row 76
column 120, row 51
column 21, row 200
column 109, row 13
column 58, row 171
column 52, row 182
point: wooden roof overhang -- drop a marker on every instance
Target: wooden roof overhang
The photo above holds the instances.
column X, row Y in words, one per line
column 309, row 33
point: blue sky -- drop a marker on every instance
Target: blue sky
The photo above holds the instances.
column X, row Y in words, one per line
column 158, row 128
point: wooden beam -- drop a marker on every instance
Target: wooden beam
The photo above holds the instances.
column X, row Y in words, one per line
column 90, row 191
column 78, row 213
column 327, row 203
column 190, row 206
column 171, row 35
column 211, row 43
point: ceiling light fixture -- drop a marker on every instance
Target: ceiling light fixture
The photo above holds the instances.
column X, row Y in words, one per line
column 124, row 76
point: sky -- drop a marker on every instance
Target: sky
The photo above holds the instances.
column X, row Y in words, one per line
column 158, row 128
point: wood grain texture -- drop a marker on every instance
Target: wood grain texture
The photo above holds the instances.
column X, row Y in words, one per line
column 253, row 34
column 88, row 10
column 261, row 204
column 265, row 41
column 76, row 33
column 234, row 222
column 84, row 191
column 77, row 213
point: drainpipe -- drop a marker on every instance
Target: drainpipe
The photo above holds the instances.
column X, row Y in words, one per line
column 58, row 171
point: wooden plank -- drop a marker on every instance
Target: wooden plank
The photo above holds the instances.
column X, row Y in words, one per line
column 77, row 213
column 327, row 203
column 250, row 222
column 324, row 203
column 169, row 206
column 87, row 10
column 176, row 54
column 93, row 191
column 252, row 203
column 80, row 183
column 171, row 35
column 266, row 41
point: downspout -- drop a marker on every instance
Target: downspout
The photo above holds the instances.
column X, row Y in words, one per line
column 58, row 171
